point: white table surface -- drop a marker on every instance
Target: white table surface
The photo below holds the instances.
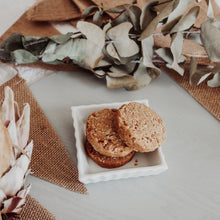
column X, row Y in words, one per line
column 189, row 189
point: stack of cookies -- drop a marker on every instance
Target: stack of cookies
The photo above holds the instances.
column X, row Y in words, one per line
column 114, row 136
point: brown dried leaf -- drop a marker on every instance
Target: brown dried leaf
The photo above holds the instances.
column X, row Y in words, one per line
column 90, row 10
column 153, row 24
column 124, row 45
column 186, row 21
column 147, row 54
column 210, row 36
column 95, row 42
column 123, row 69
column 147, row 14
column 114, row 83
column 134, row 14
column 142, row 78
column 97, row 18
column 197, row 73
column 215, row 81
column 176, row 49
column 179, row 9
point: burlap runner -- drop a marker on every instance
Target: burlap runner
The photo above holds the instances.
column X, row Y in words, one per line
column 50, row 160
column 82, row 4
column 33, row 210
column 206, row 96
column 53, row 10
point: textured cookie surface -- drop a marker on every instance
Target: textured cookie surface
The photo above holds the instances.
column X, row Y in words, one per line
column 141, row 128
column 100, row 131
column 105, row 161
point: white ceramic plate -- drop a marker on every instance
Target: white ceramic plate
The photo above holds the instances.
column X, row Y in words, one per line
column 142, row 164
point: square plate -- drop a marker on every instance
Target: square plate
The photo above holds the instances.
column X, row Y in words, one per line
column 142, row 164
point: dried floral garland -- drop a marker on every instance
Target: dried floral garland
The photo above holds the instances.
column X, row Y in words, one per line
column 122, row 49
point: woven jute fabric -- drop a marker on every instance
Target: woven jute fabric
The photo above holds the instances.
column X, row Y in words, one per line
column 82, row 4
column 33, row 210
column 50, row 160
column 53, row 10
column 206, row 96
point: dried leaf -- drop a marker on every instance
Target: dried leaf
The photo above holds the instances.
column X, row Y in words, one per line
column 13, row 42
column 103, row 63
column 216, row 69
column 186, row 21
column 147, row 14
column 123, row 69
column 134, row 14
column 111, row 54
column 95, row 43
column 62, row 38
column 216, row 23
column 176, row 49
column 197, row 74
column 22, row 56
column 114, row 10
column 147, row 54
column 73, row 48
column 124, row 45
column 120, row 19
column 35, row 45
column 5, row 149
column 153, row 24
column 210, row 11
column 23, row 127
column 179, row 9
column 215, row 81
column 2, row 196
column 142, row 78
column 195, row 37
column 7, row 109
column 117, row 74
column 112, row 51
column 210, row 36
column 89, row 10
column 114, row 83
column 97, row 18
column 165, row 54
column 99, row 73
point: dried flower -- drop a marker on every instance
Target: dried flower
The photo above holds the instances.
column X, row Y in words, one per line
column 15, row 155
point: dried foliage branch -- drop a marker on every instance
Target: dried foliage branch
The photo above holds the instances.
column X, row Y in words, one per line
column 122, row 49
column 15, row 155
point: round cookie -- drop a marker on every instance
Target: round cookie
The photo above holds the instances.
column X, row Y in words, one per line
column 102, row 136
column 141, row 128
column 105, row 161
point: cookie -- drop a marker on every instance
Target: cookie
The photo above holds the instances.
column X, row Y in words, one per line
column 101, row 134
column 105, row 161
column 141, row 128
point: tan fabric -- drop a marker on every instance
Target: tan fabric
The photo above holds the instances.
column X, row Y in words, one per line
column 206, row 96
column 106, row 4
column 82, row 4
column 33, row 210
column 42, row 29
column 53, row 10
column 50, row 160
